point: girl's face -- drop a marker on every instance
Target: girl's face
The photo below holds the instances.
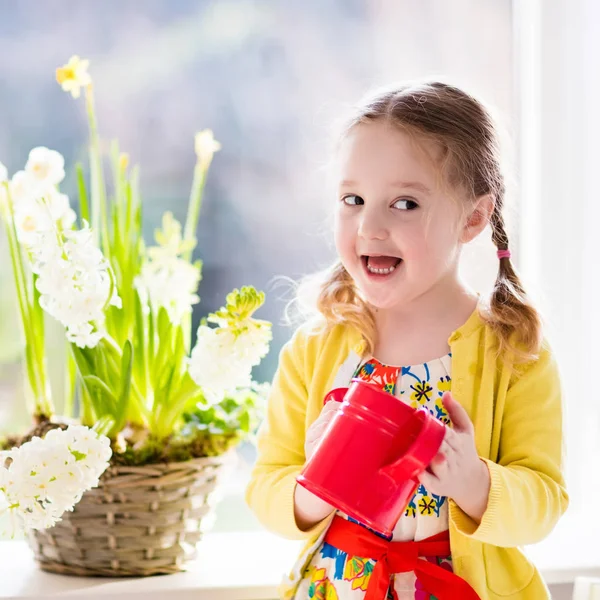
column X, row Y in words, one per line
column 397, row 232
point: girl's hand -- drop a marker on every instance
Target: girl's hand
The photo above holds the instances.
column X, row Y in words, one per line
column 457, row 471
column 308, row 508
column 317, row 429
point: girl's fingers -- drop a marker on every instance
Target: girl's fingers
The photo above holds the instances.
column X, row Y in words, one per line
column 429, row 480
column 452, row 440
column 438, row 465
column 458, row 415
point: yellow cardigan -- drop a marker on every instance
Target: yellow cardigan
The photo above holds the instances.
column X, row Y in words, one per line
column 517, row 414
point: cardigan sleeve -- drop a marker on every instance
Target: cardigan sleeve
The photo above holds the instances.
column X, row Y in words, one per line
column 527, row 493
column 280, row 445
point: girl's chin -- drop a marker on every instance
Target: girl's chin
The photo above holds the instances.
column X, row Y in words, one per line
column 379, row 304
column 383, row 301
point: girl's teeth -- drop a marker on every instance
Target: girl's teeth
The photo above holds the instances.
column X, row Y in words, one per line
column 380, row 271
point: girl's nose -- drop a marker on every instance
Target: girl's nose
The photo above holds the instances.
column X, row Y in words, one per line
column 373, row 225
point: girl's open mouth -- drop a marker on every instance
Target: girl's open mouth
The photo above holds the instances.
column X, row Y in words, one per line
column 380, row 265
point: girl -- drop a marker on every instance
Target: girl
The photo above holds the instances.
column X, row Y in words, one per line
column 419, row 178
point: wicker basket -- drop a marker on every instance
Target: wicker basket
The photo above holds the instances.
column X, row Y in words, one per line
column 139, row 521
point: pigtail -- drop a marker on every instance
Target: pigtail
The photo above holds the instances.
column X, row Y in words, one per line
column 511, row 314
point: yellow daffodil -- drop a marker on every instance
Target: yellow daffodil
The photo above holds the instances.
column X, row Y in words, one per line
column 205, row 145
column 123, row 161
column 73, row 76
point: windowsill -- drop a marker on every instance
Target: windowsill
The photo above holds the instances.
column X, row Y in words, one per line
column 570, row 551
column 248, row 566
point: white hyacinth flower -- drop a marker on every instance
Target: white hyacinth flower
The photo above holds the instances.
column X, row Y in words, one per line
column 3, row 173
column 84, row 335
column 47, row 477
column 80, row 301
column 223, row 357
column 215, row 366
column 29, row 220
column 36, row 202
column 23, row 188
column 47, row 167
column 80, row 243
column 167, row 280
column 252, row 345
column 60, row 210
column 75, row 282
column 171, row 284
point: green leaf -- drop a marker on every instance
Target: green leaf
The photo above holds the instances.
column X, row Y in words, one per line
column 178, row 360
column 84, row 362
column 128, row 213
column 102, row 396
column 117, row 245
column 70, row 383
column 140, row 358
column 84, row 208
column 104, row 425
column 244, row 421
column 165, row 327
column 179, row 405
column 101, row 362
column 87, row 405
column 164, row 352
column 125, row 385
column 151, row 339
column 34, row 340
column 116, row 169
column 112, row 356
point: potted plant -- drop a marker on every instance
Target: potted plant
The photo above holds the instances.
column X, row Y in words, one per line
column 172, row 412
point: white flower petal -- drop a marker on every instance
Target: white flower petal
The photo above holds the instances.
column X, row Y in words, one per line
column 22, row 187
column 46, row 166
column 45, row 479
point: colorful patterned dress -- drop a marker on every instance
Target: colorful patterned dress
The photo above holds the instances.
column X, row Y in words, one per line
column 334, row 575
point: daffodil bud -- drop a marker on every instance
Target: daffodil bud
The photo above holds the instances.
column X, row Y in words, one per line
column 205, row 146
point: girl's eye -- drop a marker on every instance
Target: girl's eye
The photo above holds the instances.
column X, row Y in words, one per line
column 405, row 204
column 352, row 200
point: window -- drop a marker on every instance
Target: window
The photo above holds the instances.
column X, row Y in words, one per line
column 269, row 78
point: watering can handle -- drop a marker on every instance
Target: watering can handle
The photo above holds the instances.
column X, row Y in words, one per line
column 337, row 395
column 418, row 454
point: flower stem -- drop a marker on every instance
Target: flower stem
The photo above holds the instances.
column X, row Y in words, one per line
column 98, row 191
column 70, row 379
column 31, row 320
column 194, row 206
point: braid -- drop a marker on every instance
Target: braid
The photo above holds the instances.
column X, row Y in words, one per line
column 512, row 314
column 499, row 236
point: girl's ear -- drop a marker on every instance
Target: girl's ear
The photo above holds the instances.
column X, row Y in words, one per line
column 478, row 217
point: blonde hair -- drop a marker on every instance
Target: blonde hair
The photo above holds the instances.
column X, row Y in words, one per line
column 464, row 130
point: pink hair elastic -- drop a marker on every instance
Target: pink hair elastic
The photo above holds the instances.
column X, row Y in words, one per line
column 504, row 253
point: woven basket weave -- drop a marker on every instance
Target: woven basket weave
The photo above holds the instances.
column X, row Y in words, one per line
column 139, row 521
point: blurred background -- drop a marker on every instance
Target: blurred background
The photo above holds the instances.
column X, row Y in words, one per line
column 270, row 78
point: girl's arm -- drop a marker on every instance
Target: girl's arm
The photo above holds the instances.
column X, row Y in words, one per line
column 309, row 509
column 527, row 489
column 272, row 493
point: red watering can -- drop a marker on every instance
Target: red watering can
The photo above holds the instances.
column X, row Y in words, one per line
column 367, row 462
